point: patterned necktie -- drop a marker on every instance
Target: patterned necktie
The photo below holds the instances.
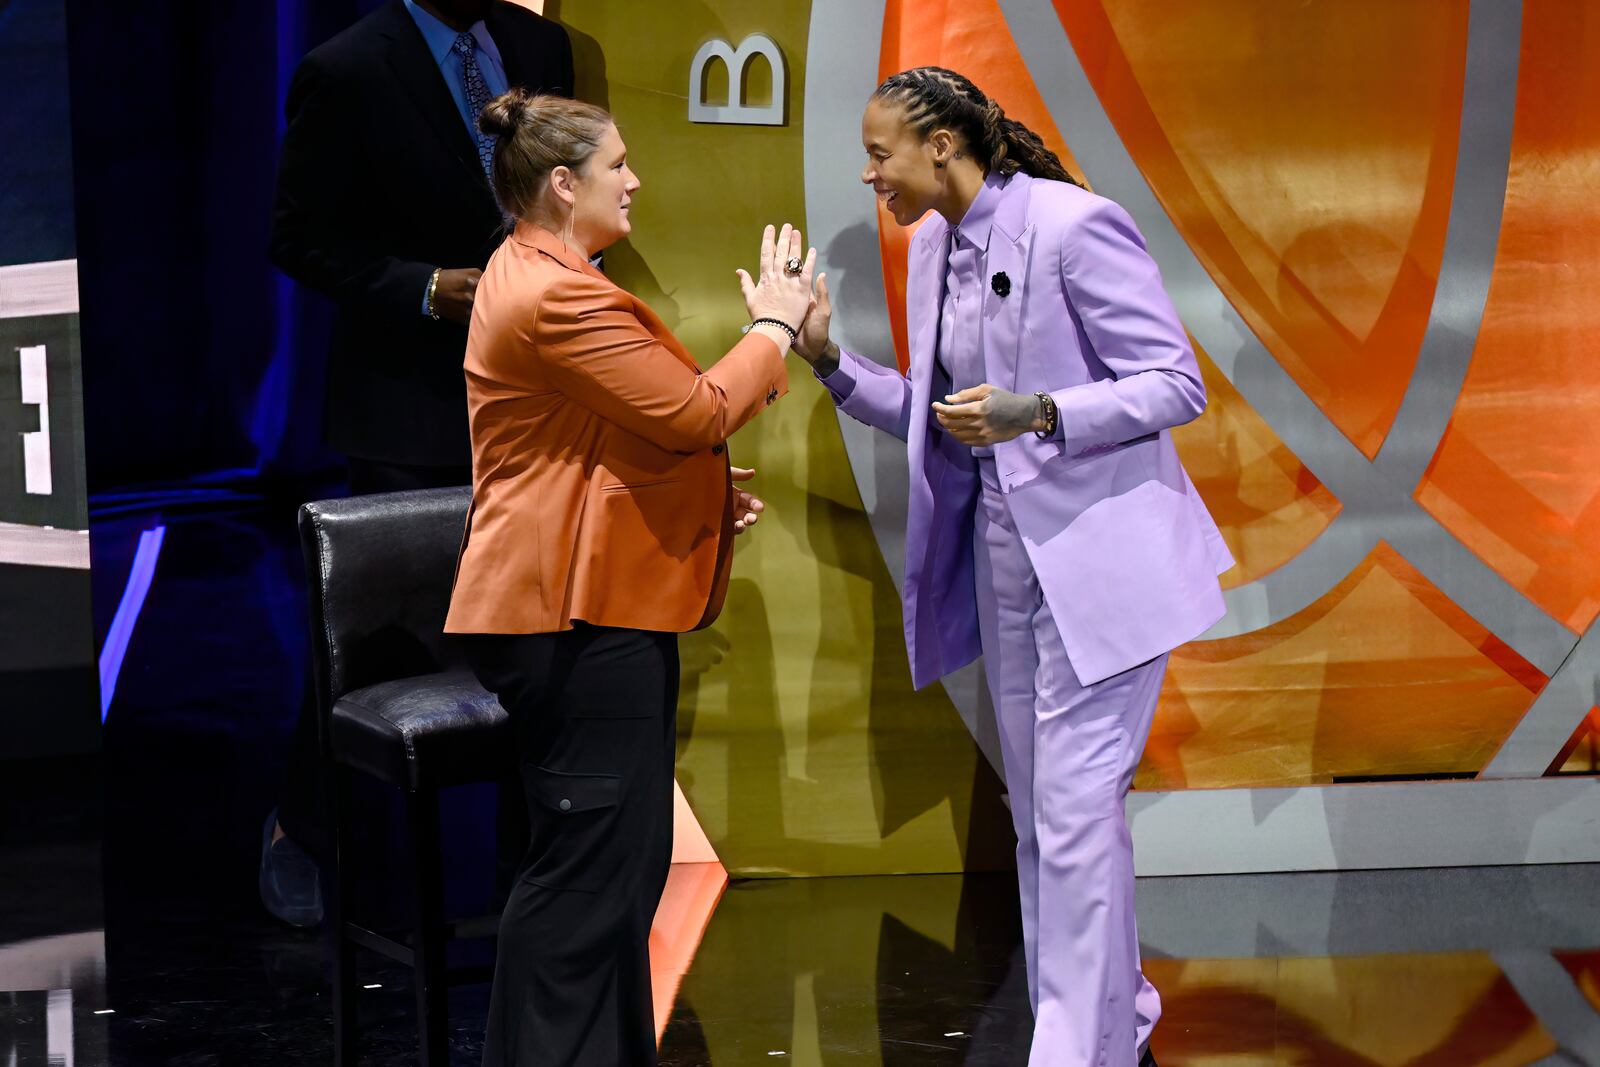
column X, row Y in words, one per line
column 477, row 97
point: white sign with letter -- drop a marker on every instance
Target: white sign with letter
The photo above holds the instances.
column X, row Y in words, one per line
column 736, row 112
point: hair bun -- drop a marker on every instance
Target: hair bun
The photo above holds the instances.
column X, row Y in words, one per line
column 503, row 114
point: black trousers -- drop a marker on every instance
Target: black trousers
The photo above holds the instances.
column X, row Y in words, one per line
column 595, row 710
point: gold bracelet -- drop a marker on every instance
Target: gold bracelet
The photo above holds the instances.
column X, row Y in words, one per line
column 433, row 287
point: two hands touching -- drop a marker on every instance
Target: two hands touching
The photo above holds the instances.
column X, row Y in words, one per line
column 782, row 294
column 978, row 416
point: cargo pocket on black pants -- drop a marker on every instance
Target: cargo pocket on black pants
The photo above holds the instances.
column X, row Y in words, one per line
column 575, row 840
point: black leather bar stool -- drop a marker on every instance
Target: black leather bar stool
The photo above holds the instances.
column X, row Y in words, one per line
column 397, row 705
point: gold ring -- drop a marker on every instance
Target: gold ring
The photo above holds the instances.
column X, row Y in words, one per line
column 793, row 266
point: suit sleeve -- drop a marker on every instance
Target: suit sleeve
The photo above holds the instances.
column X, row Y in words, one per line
column 1115, row 287
column 871, row 393
column 591, row 346
column 315, row 218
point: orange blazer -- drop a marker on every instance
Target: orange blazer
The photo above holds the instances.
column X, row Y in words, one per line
column 600, row 484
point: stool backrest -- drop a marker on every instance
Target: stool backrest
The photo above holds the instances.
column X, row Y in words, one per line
column 381, row 568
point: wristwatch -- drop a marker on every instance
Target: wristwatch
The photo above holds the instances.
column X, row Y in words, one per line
column 1048, row 404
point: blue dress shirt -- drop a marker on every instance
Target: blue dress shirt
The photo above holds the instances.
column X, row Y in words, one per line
column 441, row 39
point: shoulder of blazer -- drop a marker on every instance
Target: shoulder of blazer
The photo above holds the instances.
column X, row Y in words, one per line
column 361, row 43
column 537, row 51
column 1054, row 208
column 513, row 17
column 566, row 295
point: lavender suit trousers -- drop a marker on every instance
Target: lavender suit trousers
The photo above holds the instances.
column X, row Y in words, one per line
column 1070, row 751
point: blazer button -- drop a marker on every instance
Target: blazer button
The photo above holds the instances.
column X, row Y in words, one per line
column 772, row 397
column 566, row 805
column 716, row 450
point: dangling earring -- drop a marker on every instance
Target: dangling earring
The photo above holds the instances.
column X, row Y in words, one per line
column 939, row 163
column 566, row 231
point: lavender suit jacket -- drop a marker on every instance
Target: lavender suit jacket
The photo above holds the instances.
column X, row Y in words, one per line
column 1126, row 554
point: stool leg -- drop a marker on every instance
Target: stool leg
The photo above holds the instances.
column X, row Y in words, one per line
column 428, row 940
column 344, row 950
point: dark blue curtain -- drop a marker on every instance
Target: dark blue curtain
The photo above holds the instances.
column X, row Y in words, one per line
column 202, row 364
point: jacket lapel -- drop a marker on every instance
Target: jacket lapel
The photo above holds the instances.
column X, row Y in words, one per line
column 423, row 82
column 924, row 288
column 1010, row 246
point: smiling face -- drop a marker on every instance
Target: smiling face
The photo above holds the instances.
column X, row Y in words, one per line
column 900, row 163
column 602, row 190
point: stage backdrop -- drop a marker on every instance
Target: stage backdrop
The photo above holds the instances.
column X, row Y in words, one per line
column 48, row 691
column 1378, row 223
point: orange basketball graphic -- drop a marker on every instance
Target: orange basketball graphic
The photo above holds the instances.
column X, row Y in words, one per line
column 1368, row 218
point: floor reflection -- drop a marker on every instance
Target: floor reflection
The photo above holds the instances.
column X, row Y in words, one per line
column 176, row 964
column 1364, row 968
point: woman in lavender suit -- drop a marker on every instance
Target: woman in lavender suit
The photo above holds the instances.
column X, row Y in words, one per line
column 1050, row 524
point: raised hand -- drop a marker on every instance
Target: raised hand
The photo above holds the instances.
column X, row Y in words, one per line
column 775, row 293
column 814, row 346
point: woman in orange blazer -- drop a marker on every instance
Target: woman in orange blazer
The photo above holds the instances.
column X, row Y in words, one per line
column 601, row 527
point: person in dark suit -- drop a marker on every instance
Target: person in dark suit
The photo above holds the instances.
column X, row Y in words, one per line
column 384, row 205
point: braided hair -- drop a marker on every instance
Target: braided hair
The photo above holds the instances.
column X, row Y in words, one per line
column 933, row 97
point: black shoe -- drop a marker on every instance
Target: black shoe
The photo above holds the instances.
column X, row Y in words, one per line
column 289, row 886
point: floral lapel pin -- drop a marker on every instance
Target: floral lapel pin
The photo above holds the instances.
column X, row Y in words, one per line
column 1001, row 285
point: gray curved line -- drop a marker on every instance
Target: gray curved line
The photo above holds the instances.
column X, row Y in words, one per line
column 1555, row 999
column 1477, row 202
column 842, row 220
column 1561, row 705
column 1295, row 586
column 1377, row 506
column 841, row 216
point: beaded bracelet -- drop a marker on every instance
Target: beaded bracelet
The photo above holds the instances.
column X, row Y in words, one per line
column 779, row 323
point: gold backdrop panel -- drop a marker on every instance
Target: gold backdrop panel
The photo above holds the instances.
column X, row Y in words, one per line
column 802, row 747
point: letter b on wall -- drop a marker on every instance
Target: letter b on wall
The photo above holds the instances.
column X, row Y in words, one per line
column 737, row 112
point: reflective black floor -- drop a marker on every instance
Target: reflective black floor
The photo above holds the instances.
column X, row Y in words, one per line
column 174, row 962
